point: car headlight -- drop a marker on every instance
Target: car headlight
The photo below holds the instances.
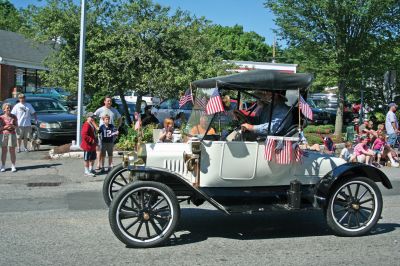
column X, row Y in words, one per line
column 49, row 125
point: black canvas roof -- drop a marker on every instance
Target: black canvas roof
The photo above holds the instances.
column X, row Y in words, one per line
column 258, row 80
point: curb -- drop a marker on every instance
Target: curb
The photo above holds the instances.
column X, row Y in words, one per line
column 74, row 154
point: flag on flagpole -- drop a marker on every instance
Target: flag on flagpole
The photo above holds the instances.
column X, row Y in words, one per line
column 187, row 97
column 214, row 104
column 306, row 109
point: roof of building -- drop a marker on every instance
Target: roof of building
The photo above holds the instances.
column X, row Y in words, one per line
column 16, row 50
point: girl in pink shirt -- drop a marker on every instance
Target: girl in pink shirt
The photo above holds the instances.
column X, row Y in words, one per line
column 378, row 146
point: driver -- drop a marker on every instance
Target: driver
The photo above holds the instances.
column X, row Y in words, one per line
column 279, row 112
column 201, row 128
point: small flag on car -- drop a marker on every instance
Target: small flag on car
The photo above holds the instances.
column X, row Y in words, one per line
column 305, row 109
column 187, row 97
column 214, row 104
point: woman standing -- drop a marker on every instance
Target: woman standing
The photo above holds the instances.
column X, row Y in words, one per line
column 8, row 137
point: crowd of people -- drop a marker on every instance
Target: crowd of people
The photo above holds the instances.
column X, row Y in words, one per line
column 374, row 144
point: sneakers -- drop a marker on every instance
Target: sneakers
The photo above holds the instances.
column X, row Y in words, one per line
column 13, row 169
column 2, row 169
column 89, row 174
column 394, row 164
column 26, row 150
column 18, row 150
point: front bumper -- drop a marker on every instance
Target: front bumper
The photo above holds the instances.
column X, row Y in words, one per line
column 56, row 133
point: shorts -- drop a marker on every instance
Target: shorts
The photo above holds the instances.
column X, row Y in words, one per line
column 377, row 152
column 24, row 132
column 89, row 155
column 392, row 139
column 107, row 147
column 8, row 140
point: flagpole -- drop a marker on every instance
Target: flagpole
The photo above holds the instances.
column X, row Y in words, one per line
column 298, row 102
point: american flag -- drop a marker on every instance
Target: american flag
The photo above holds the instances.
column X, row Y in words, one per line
column 284, row 156
column 201, row 102
column 269, row 149
column 215, row 104
column 187, row 97
column 305, row 109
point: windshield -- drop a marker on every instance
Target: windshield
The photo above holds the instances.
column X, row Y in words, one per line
column 199, row 121
column 47, row 106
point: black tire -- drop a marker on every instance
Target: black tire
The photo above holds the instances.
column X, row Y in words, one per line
column 355, row 206
column 117, row 178
column 140, row 221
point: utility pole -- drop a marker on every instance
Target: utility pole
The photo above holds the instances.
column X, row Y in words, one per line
column 81, row 84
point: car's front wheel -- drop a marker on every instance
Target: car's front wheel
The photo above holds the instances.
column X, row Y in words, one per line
column 354, row 207
column 144, row 214
column 118, row 177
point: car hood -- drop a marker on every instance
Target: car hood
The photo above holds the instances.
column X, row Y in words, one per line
column 56, row 117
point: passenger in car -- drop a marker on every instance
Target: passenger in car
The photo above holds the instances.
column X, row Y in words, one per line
column 166, row 132
column 279, row 111
column 201, row 128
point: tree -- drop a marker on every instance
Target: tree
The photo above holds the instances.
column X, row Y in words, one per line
column 232, row 43
column 130, row 45
column 10, row 18
column 339, row 34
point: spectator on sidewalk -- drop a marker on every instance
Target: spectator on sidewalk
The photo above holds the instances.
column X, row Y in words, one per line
column 24, row 112
column 115, row 119
column 148, row 118
column 89, row 143
column 391, row 124
column 8, row 137
column 362, row 152
column 378, row 147
column 347, row 153
column 107, row 135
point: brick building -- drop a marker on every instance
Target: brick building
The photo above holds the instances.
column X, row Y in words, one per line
column 20, row 61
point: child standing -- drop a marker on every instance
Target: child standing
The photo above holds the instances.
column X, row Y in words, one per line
column 107, row 134
column 378, row 146
column 89, row 143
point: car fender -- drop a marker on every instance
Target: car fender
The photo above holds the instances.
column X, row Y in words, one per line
column 343, row 172
column 175, row 181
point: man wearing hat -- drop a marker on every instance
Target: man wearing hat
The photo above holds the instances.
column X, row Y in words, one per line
column 391, row 124
column 89, row 143
column 279, row 112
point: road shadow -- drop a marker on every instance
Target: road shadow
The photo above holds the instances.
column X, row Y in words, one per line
column 37, row 166
column 197, row 225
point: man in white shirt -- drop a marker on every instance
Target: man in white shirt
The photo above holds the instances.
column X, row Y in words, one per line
column 115, row 117
column 24, row 112
column 391, row 124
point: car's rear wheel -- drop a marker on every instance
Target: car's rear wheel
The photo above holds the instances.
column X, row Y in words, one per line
column 144, row 214
column 118, row 177
column 354, row 207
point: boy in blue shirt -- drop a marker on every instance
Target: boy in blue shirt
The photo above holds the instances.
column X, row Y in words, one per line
column 107, row 134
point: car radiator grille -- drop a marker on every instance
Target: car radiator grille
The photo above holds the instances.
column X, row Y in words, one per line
column 177, row 166
column 68, row 124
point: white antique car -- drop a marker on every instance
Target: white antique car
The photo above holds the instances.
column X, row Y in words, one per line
column 235, row 172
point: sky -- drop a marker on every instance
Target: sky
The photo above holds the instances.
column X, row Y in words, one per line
column 251, row 14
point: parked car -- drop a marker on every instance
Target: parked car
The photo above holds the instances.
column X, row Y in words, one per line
column 320, row 116
column 170, row 108
column 330, row 105
column 131, row 96
column 49, row 93
column 131, row 107
column 54, row 121
column 240, row 174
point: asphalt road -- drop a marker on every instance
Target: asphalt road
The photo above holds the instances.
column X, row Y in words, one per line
column 50, row 214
